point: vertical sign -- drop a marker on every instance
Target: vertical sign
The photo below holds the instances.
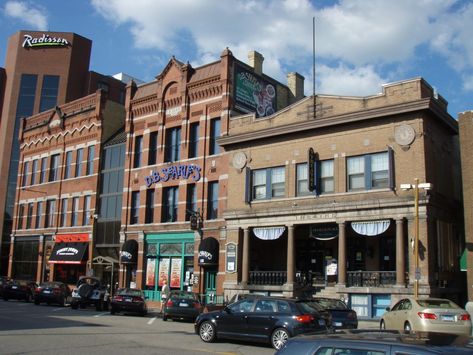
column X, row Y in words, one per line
column 163, row 271
column 176, row 267
column 231, row 254
column 150, row 272
column 311, row 169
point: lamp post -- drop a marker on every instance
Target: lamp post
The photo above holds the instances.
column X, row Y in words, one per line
column 416, row 187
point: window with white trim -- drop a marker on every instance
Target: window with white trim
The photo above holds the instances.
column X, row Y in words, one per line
column 268, row 183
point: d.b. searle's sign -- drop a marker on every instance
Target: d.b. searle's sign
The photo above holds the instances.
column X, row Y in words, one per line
column 44, row 41
column 174, row 172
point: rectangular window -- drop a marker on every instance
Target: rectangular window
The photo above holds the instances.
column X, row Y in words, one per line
column 79, row 156
column 39, row 212
column 63, row 220
column 268, row 183
column 75, row 211
column 50, row 211
column 212, row 200
column 149, row 206
column 90, row 160
column 135, row 207
column 86, row 214
column 191, row 200
column 21, row 213
column 29, row 215
column 26, row 95
column 326, row 176
column 368, row 172
column 44, row 165
column 302, row 184
column 67, row 172
column 26, row 168
column 138, row 149
column 34, row 168
column 194, row 140
column 214, row 148
column 54, row 167
column 153, row 148
column 49, row 92
column 170, row 203
column 172, row 150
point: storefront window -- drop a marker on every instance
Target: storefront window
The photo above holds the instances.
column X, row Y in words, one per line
column 68, row 274
column 25, row 259
column 174, row 248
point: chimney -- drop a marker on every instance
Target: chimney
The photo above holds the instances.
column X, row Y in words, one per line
column 295, row 82
column 255, row 60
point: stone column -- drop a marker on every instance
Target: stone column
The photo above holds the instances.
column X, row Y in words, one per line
column 246, row 257
column 290, row 255
column 39, row 270
column 140, row 262
column 342, row 252
column 400, row 257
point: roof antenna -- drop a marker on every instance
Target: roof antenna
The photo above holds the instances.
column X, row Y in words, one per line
column 313, row 64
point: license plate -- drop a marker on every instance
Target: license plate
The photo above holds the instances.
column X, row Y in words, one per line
column 46, row 291
column 448, row 318
column 127, row 299
column 183, row 305
column 321, row 322
column 14, row 287
column 337, row 324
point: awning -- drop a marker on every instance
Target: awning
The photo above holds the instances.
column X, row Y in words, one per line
column 208, row 252
column 269, row 233
column 129, row 253
column 371, row 228
column 68, row 253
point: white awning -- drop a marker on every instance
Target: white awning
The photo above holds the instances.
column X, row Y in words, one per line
column 371, row 228
column 269, row 233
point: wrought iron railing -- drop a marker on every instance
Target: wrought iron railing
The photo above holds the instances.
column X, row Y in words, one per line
column 267, row 277
column 371, row 278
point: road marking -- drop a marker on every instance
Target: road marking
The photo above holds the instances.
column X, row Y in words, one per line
column 100, row 314
column 151, row 321
column 57, row 309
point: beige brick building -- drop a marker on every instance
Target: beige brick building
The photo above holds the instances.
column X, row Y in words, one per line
column 353, row 236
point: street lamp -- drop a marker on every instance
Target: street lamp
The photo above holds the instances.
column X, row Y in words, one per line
column 416, row 187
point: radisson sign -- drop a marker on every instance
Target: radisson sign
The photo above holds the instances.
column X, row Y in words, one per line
column 44, row 41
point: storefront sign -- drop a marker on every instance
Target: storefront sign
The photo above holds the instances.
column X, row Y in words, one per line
column 253, row 93
column 176, row 267
column 231, row 254
column 67, row 251
column 72, row 238
column 44, row 41
column 174, row 172
column 150, row 272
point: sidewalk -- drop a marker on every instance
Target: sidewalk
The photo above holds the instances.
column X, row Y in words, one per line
column 368, row 324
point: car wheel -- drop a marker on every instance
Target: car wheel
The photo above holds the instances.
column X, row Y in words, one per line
column 105, row 306
column 28, row 298
column 207, row 332
column 112, row 311
column 36, row 302
column 74, row 305
column 5, row 298
column 99, row 306
column 62, row 301
column 279, row 338
column 407, row 327
column 382, row 325
column 165, row 317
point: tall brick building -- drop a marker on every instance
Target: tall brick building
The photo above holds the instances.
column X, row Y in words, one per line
column 42, row 70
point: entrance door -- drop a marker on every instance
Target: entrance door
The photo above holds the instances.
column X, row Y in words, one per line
column 210, row 285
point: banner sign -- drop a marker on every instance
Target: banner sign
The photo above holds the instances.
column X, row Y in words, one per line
column 174, row 172
column 150, row 272
column 253, row 93
column 176, row 268
column 163, row 271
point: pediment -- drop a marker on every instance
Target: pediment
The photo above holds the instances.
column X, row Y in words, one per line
column 173, row 69
column 56, row 120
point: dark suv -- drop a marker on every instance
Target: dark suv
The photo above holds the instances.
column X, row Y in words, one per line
column 260, row 318
column 90, row 291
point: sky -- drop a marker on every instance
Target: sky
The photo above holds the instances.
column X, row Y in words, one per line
column 360, row 45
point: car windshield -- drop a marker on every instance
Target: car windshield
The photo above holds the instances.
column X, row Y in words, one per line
column 330, row 304
column 129, row 292
column 50, row 284
column 308, row 306
column 20, row 282
column 432, row 303
column 184, row 295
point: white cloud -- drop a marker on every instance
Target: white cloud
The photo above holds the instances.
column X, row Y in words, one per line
column 30, row 14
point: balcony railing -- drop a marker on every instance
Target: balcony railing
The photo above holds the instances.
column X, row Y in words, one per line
column 371, row 278
column 267, row 277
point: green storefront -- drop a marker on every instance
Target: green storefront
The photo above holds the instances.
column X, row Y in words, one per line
column 168, row 256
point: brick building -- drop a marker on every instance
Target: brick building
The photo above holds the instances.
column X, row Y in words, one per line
column 42, row 70
column 175, row 170
column 353, row 236
column 58, row 183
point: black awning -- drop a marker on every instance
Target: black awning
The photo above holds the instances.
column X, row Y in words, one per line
column 68, row 253
column 208, row 252
column 129, row 253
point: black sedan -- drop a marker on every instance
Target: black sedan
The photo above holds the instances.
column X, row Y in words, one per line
column 376, row 342
column 3, row 281
column 52, row 292
column 264, row 319
column 182, row 305
column 19, row 290
column 342, row 317
column 130, row 300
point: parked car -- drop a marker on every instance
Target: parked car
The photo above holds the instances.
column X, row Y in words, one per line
column 19, row 290
column 430, row 314
column 182, row 305
column 90, row 291
column 52, row 292
column 265, row 319
column 3, row 281
column 376, row 342
column 342, row 317
column 129, row 300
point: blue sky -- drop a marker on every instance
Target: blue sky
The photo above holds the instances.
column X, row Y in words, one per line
column 360, row 44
